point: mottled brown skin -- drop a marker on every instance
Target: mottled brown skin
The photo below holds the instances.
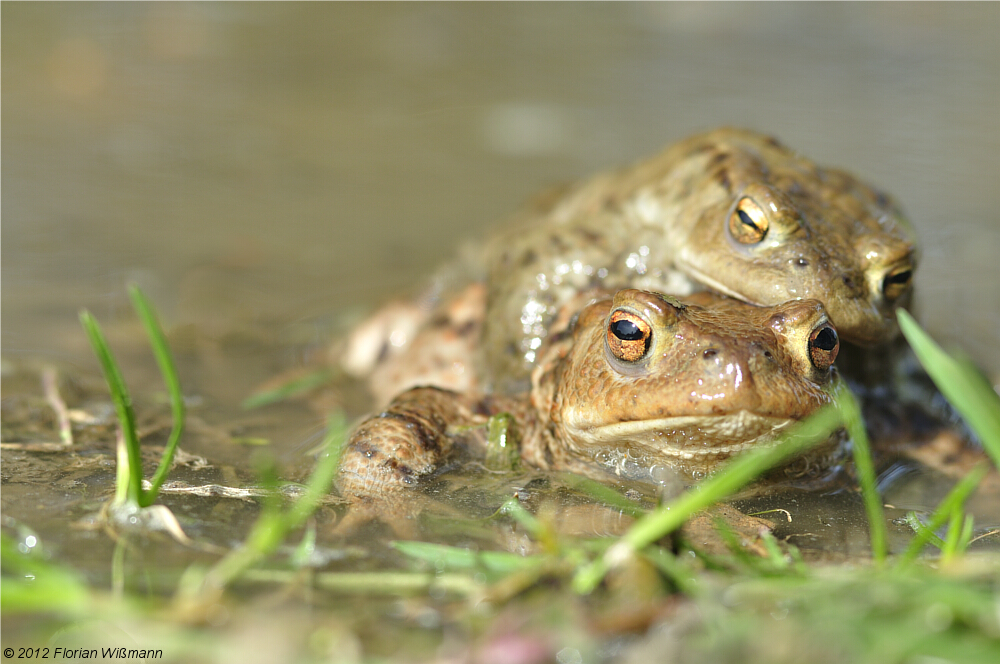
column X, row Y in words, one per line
column 664, row 225
column 437, row 349
column 716, row 377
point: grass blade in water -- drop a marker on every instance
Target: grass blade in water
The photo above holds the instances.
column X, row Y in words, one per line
column 292, row 387
column 953, row 501
column 123, row 408
column 165, row 361
column 851, row 413
column 459, row 558
column 273, row 525
column 502, row 449
column 735, row 475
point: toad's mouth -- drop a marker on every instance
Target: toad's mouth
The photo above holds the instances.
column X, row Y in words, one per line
column 681, row 438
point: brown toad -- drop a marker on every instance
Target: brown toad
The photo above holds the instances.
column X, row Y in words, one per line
column 730, row 210
column 635, row 383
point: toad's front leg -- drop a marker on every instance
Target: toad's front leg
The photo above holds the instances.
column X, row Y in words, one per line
column 388, row 453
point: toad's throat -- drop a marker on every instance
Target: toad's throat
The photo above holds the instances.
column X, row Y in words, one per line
column 686, row 437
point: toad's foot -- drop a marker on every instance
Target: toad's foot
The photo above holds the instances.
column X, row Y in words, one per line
column 389, row 453
column 702, row 531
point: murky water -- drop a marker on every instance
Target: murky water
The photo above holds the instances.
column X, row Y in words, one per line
column 268, row 172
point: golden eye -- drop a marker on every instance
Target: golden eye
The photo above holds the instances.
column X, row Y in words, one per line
column 748, row 223
column 628, row 336
column 896, row 282
column 824, row 344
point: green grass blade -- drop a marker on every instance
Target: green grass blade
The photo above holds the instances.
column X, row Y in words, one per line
column 273, row 525
column 734, row 476
column 953, row 501
column 851, row 413
column 33, row 584
column 513, row 508
column 737, row 473
column 306, row 548
column 959, row 535
column 122, row 479
column 918, row 527
column 732, row 542
column 298, row 385
column 123, row 407
column 678, row 571
column 118, row 568
column 164, row 360
column 775, row 556
column 538, row 530
column 444, row 556
column 383, row 583
column 502, row 447
column 604, row 494
column 953, row 534
column 326, row 468
column 960, row 383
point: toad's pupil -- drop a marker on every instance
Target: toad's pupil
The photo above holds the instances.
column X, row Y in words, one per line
column 899, row 278
column 745, row 218
column 826, row 339
column 626, row 330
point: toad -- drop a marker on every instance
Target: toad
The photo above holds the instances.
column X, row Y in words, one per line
column 732, row 211
column 632, row 384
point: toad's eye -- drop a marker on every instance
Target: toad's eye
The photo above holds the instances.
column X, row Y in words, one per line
column 748, row 223
column 896, row 282
column 628, row 336
column 824, row 344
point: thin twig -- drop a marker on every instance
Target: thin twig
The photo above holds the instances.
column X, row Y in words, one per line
column 995, row 531
column 50, row 384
